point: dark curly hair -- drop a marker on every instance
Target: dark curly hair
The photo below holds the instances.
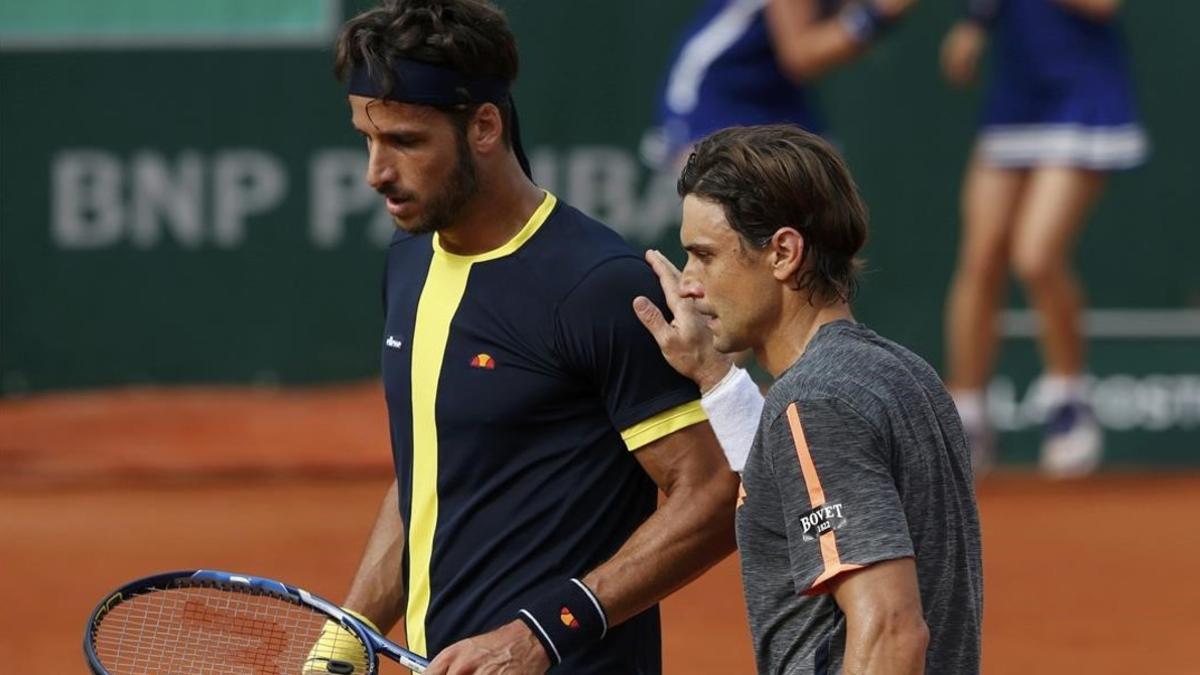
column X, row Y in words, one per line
column 778, row 175
column 470, row 36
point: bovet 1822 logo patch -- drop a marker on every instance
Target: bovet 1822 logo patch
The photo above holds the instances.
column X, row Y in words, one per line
column 824, row 518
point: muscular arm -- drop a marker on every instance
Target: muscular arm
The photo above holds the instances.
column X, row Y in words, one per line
column 807, row 45
column 377, row 591
column 1096, row 10
column 885, row 625
column 691, row 531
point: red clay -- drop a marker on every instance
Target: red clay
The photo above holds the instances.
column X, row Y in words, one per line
column 85, row 505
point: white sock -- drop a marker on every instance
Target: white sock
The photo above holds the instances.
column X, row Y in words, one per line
column 1055, row 390
column 971, row 407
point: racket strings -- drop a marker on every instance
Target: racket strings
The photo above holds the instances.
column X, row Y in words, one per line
column 209, row 631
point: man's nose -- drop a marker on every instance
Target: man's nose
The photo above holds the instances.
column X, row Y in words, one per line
column 380, row 172
column 689, row 285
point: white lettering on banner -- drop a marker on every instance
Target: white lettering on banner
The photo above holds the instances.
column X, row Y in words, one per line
column 101, row 200
column 245, row 183
column 605, row 181
column 166, row 196
column 661, row 208
column 602, row 181
column 1121, row 402
column 337, row 189
column 86, row 210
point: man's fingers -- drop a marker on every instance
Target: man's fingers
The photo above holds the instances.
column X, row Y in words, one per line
column 668, row 277
column 440, row 665
column 666, row 263
column 437, row 667
column 652, row 318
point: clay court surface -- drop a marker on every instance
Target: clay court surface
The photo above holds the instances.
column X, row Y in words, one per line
column 1097, row 576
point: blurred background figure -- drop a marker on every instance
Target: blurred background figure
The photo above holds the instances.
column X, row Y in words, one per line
column 745, row 62
column 1058, row 117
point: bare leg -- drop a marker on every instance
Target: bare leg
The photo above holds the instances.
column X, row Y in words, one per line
column 1052, row 213
column 988, row 209
column 1053, row 209
column 989, row 197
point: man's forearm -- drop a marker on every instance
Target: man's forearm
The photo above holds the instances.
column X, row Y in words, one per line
column 821, row 47
column 377, row 591
column 691, row 531
column 808, row 45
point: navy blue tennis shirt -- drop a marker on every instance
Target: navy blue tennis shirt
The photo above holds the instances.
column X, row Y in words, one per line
column 519, row 382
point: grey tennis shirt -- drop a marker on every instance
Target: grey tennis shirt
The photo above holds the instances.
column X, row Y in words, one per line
column 860, row 458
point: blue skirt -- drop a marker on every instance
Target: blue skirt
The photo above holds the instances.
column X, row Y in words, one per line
column 1085, row 120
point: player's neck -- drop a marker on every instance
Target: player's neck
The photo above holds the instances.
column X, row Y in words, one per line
column 798, row 323
column 503, row 205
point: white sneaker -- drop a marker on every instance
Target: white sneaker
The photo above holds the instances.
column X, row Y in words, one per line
column 1073, row 442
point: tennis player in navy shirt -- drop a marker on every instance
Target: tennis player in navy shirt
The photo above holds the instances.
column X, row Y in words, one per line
column 533, row 420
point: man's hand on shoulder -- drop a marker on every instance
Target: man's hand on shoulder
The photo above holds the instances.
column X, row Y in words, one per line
column 509, row 650
column 686, row 342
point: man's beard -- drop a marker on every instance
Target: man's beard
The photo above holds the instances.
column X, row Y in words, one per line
column 444, row 208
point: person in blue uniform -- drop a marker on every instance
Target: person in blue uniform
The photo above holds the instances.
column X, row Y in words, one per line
column 533, row 421
column 1058, row 117
column 745, row 62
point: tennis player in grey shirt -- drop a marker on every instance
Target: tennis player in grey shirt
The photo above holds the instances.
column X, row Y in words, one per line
column 857, row 526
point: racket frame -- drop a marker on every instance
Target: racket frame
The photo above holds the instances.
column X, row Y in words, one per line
column 374, row 642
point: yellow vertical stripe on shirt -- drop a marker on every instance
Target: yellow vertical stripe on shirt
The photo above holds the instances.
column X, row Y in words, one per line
column 444, row 288
column 440, row 297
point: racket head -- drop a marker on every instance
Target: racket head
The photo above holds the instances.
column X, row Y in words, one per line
column 204, row 621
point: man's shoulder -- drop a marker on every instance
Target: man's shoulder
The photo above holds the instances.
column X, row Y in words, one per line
column 574, row 235
column 856, row 367
column 574, row 252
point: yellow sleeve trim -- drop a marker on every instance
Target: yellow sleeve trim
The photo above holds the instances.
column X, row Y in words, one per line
column 664, row 423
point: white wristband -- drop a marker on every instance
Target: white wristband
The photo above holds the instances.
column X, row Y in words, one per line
column 734, row 407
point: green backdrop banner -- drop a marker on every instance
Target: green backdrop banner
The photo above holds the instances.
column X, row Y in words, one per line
column 124, row 24
column 173, row 212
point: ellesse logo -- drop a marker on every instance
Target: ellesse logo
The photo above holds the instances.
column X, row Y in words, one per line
column 484, row 361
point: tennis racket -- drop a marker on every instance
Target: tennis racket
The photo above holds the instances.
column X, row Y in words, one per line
column 216, row 623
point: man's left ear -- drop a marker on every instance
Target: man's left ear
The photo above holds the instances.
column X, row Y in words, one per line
column 487, row 128
column 787, row 253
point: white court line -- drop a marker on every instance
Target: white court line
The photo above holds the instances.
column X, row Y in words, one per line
column 1113, row 323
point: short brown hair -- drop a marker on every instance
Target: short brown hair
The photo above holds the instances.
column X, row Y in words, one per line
column 778, row 175
column 470, row 36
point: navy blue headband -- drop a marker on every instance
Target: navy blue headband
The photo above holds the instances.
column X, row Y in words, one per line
column 427, row 84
